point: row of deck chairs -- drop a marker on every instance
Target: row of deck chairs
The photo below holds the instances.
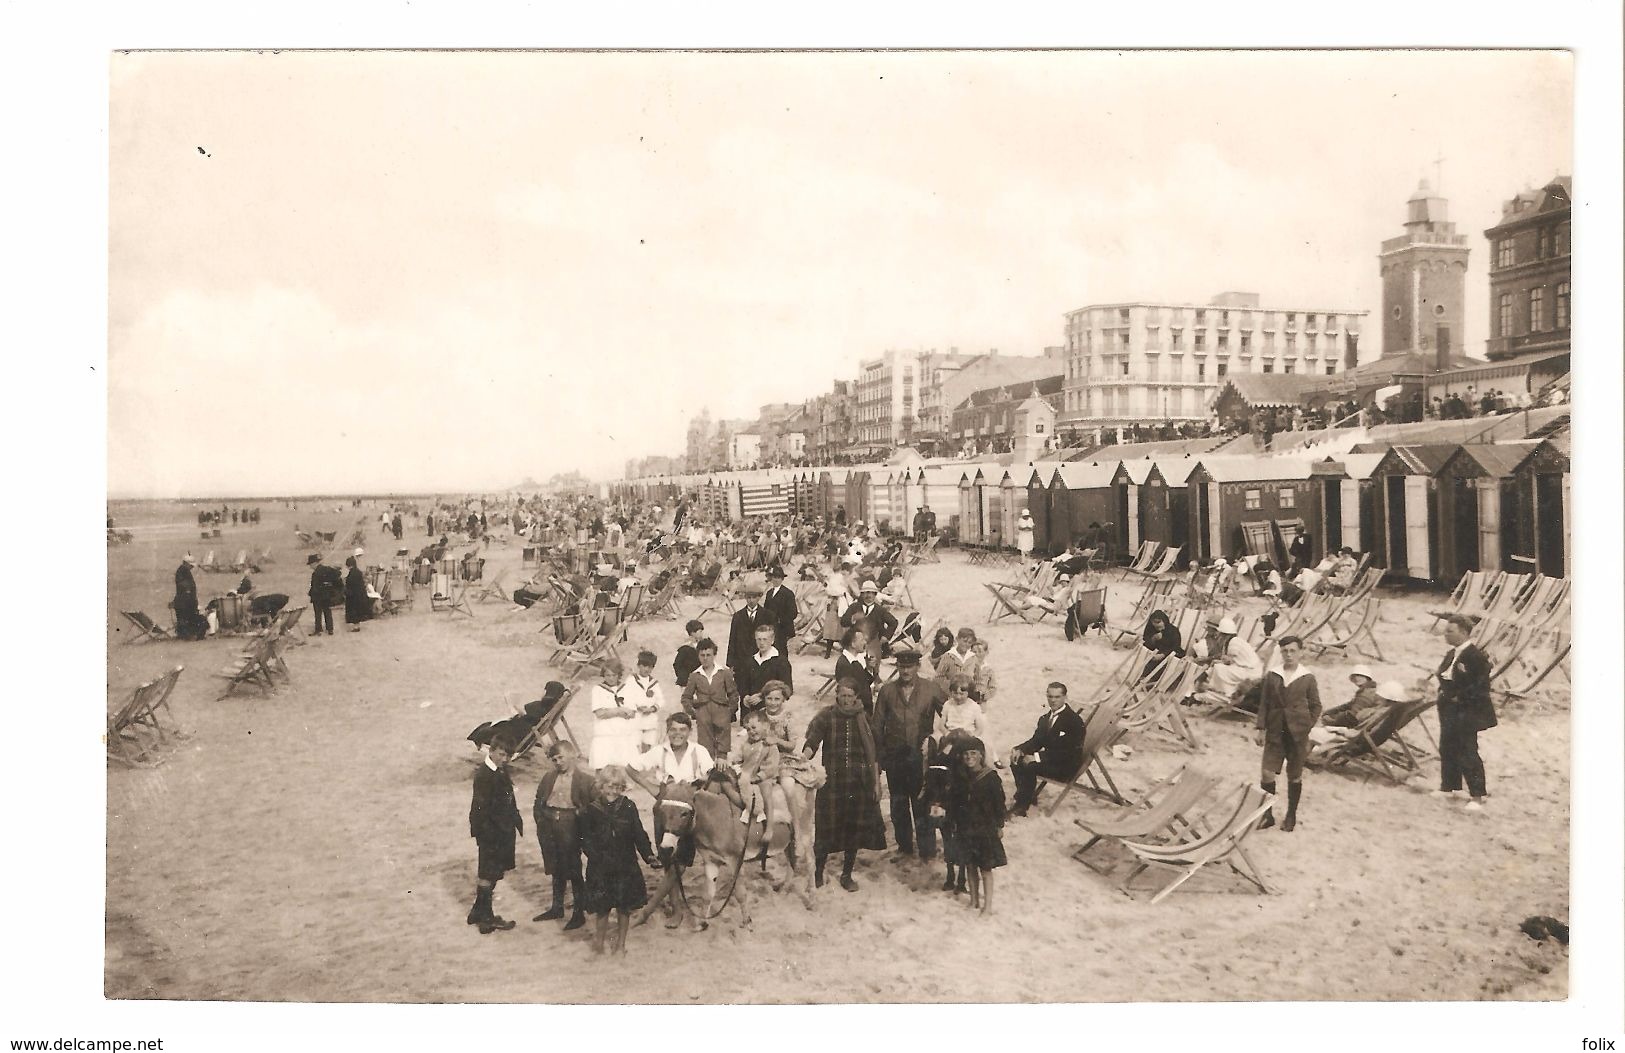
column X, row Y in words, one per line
column 142, row 729
column 1152, row 561
column 1180, row 825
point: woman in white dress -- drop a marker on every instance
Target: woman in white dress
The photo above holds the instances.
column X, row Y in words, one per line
column 1024, row 535
column 616, row 728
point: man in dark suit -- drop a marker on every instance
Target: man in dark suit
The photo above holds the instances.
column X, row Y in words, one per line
column 873, row 618
column 781, row 604
column 766, row 663
column 904, row 712
column 1465, row 709
column 742, row 630
column 1055, row 750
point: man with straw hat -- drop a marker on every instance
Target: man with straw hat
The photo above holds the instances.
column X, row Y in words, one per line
column 870, row 615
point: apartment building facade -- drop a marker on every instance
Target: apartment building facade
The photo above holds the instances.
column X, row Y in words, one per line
column 1144, row 362
column 1531, row 307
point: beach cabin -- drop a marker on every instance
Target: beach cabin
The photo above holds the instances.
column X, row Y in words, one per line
column 1348, row 501
column 1152, row 503
column 764, row 494
column 1408, row 510
column 1037, row 502
column 1081, row 496
column 939, row 491
column 880, row 506
column 1504, row 506
column 856, row 496
column 1127, row 479
column 1248, row 504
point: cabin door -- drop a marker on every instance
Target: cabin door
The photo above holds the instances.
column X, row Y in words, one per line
column 1489, row 525
column 1418, row 556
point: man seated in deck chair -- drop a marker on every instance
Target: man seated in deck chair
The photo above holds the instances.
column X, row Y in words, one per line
column 1340, row 721
column 1055, row 750
column 1232, row 665
column 1338, row 571
column 517, row 728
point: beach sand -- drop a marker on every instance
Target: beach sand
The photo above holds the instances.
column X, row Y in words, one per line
column 313, row 845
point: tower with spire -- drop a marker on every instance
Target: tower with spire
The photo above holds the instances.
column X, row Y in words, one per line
column 1424, row 280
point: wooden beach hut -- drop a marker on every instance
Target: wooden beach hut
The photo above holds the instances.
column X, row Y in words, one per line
column 1243, row 504
column 1408, row 514
column 1081, row 495
column 1348, row 501
column 1502, row 508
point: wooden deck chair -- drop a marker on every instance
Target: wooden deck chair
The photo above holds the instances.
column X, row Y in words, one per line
column 211, row 564
column 1335, row 639
column 1163, row 565
column 632, row 603
column 1504, row 603
column 1156, row 593
column 1376, row 747
column 925, row 551
column 137, row 731
column 1007, row 606
column 1100, row 732
column 449, row 594
column 1467, row 597
column 146, row 628
column 253, row 665
column 665, row 603
column 1162, row 813
column 597, row 650
column 530, row 557
column 241, row 562
column 544, row 731
column 494, row 588
column 1158, row 710
column 264, row 556
column 1547, row 650
column 1089, row 611
column 397, row 591
column 572, row 631
column 1143, row 560
column 1186, row 855
column 329, row 536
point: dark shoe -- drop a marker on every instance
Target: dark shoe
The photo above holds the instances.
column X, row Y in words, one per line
column 497, row 922
column 1289, row 824
column 577, row 920
column 1019, row 813
column 1269, row 820
column 948, row 883
column 550, row 914
column 848, row 884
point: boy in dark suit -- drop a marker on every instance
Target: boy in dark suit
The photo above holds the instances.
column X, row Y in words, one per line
column 1465, row 709
column 494, row 822
column 742, row 630
column 1055, row 750
column 766, row 665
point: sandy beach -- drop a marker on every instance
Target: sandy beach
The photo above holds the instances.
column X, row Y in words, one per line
column 312, row 845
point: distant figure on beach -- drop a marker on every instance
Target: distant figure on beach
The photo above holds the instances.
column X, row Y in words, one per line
column 357, row 604
column 326, row 590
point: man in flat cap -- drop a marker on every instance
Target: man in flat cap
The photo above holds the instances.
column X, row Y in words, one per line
column 742, row 629
column 904, row 712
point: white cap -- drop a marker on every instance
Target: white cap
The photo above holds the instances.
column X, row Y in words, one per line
column 1227, row 625
column 1393, row 691
column 359, row 552
column 1362, row 670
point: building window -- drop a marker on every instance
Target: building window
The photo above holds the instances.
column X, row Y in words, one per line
column 1289, row 498
column 1291, row 319
column 1153, row 336
column 1201, row 342
column 1246, row 342
column 1269, row 367
column 1201, row 371
column 1545, row 242
column 1124, row 341
column 1503, row 316
column 1537, row 310
column 1504, row 256
column 1122, row 315
column 1224, row 367
column 1201, row 318
column 1291, row 342
column 1562, row 305
column 1331, row 370
column 1224, row 341
column 1038, row 429
column 1331, row 322
column 1289, row 367
column 1253, row 501
column 1178, row 339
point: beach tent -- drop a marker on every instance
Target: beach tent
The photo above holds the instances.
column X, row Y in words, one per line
column 1408, row 510
column 1348, row 501
column 1504, row 509
column 1242, row 504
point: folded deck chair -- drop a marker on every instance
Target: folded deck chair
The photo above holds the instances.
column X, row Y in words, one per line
column 1376, row 747
column 1468, row 595
column 1100, row 732
column 1188, row 852
column 140, row 729
column 1162, row 813
column 146, row 628
column 495, row 588
column 1331, row 637
column 1545, row 651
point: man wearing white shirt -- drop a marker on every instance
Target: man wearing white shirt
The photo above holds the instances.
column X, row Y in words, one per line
column 1288, row 707
column 673, row 761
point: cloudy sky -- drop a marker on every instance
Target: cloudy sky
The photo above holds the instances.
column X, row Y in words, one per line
column 452, row 270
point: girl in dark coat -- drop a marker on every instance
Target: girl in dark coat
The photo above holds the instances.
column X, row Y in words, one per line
column 1162, row 639
column 613, row 839
column 357, row 604
column 847, row 812
column 977, row 816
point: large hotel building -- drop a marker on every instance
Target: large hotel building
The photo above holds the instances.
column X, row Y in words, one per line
column 1144, row 363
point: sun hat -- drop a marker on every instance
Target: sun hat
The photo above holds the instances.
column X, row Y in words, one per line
column 1227, row 626
column 1362, row 670
column 189, row 558
column 359, row 552
column 868, row 586
column 1393, row 691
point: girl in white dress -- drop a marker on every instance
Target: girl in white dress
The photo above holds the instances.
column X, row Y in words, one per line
column 615, row 731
